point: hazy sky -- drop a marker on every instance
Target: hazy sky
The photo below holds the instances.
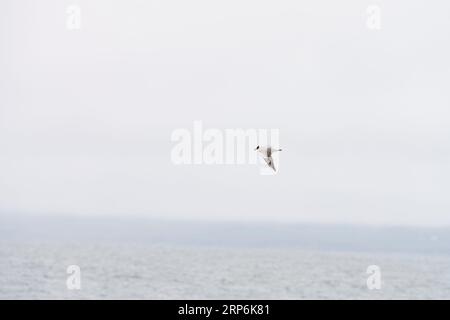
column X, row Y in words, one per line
column 86, row 115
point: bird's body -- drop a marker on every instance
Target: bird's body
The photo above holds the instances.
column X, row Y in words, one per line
column 266, row 153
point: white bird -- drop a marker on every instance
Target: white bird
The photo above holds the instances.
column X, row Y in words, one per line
column 266, row 153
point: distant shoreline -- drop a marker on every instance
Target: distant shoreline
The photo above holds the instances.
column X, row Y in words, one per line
column 235, row 234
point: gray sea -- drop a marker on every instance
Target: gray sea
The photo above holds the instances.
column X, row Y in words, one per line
column 118, row 262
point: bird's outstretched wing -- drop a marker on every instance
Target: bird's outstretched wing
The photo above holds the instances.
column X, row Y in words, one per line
column 269, row 162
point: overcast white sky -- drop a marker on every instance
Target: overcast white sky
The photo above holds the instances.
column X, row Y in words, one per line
column 86, row 115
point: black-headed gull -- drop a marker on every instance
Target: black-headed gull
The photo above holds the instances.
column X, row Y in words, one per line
column 266, row 153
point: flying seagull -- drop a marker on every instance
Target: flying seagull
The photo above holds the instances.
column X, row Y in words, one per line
column 267, row 155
